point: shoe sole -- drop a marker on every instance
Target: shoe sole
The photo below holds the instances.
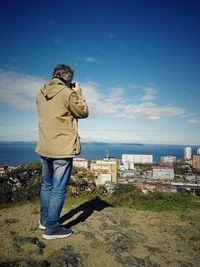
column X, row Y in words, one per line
column 42, row 227
column 50, row 237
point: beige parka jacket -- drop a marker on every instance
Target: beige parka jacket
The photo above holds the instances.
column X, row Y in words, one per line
column 59, row 109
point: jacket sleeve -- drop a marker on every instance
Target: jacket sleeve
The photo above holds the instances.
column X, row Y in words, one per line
column 78, row 106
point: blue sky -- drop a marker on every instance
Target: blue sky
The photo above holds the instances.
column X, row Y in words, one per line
column 138, row 63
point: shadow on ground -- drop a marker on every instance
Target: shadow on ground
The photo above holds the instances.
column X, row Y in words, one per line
column 87, row 208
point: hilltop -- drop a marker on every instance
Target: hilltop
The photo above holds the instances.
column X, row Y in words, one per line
column 102, row 236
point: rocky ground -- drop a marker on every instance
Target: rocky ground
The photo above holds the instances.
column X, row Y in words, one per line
column 103, row 236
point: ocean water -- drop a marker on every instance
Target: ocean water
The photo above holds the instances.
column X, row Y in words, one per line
column 16, row 153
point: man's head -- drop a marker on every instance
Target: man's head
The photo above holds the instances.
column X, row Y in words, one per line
column 63, row 72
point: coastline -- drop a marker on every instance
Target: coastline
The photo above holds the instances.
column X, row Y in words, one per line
column 15, row 153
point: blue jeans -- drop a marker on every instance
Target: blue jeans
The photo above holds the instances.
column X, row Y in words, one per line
column 55, row 177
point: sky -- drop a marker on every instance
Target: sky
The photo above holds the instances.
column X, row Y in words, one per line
column 138, row 63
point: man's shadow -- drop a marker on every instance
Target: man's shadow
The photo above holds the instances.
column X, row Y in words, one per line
column 87, row 209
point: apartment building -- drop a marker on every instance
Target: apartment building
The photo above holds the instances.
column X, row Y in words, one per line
column 196, row 162
column 129, row 160
column 80, row 163
column 187, row 153
column 163, row 172
column 168, row 160
column 105, row 169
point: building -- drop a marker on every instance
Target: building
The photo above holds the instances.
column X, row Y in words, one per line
column 106, row 170
column 198, row 151
column 128, row 165
column 129, row 160
column 190, row 178
column 163, row 172
column 104, row 178
column 127, row 174
column 168, row 160
column 187, row 153
column 80, row 163
column 196, row 162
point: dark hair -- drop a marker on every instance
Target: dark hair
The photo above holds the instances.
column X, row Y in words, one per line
column 63, row 71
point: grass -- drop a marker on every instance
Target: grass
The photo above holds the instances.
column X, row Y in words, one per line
column 156, row 201
column 164, row 205
column 124, row 234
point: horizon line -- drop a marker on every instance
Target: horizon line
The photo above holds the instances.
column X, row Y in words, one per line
column 107, row 142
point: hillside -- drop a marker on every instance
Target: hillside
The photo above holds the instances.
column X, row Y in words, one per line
column 103, row 236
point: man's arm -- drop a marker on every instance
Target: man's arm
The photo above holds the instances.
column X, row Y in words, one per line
column 77, row 104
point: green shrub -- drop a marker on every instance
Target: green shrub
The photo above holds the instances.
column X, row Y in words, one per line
column 21, row 184
column 20, row 195
column 5, row 190
column 121, row 189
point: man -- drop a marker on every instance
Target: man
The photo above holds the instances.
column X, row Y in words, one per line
column 60, row 104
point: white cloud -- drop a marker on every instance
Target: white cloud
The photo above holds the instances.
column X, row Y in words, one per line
column 19, row 134
column 151, row 112
column 195, row 121
column 188, row 115
column 150, row 94
column 93, row 98
column 111, row 104
column 116, row 104
column 90, row 59
column 18, row 90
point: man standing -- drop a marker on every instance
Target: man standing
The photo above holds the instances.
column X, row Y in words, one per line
column 60, row 104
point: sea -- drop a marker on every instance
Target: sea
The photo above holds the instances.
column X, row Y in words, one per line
column 17, row 153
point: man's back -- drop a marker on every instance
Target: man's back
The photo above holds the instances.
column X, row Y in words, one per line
column 59, row 107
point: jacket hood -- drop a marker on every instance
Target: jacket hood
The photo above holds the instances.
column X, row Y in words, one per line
column 52, row 88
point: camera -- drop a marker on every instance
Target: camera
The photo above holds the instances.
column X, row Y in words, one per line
column 73, row 85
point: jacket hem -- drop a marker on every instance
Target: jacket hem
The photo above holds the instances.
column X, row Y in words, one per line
column 54, row 156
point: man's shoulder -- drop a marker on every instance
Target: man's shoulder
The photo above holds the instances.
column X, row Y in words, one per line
column 66, row 91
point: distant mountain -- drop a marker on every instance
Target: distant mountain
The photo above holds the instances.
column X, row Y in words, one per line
column 115, row 144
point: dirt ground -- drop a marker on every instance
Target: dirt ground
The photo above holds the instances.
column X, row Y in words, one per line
column 106, row 237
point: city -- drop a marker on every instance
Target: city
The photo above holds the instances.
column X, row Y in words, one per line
column 169, row 175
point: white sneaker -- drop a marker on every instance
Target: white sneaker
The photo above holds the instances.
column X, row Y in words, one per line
column 41, row 227
column 60, row 233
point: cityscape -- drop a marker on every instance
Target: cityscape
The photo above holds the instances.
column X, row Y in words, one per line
column 169, row 175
